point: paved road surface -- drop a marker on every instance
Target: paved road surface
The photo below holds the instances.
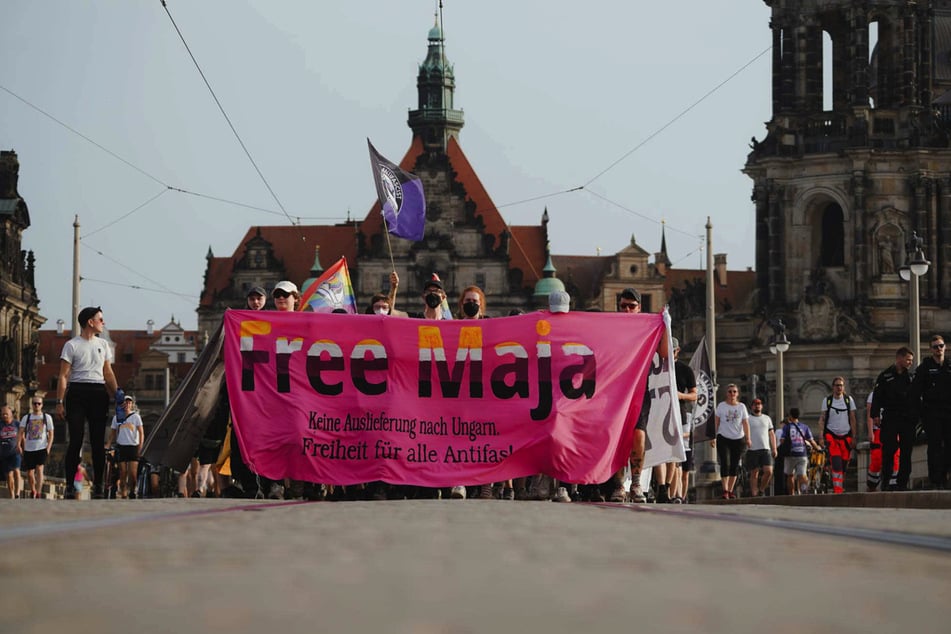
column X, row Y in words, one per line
column 467, row 566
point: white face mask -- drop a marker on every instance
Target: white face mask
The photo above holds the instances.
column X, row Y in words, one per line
column 381, row 311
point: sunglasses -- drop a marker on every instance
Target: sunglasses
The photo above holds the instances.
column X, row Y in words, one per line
column 937, row 346
column 626, row 306
column 37, row 402
column 279, row 294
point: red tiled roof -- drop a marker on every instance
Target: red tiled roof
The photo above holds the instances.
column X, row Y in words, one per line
column 294, row 246
column 740, row 285
column 582, row 274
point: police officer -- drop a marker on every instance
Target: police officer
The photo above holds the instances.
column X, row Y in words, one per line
column 892, row 411
column 932, row 386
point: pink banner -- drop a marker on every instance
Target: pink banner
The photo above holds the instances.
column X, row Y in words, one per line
column 343, row 399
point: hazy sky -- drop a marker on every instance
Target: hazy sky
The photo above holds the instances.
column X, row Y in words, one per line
column 554, row 92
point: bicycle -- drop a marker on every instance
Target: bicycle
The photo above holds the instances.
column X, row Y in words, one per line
column 819, row 472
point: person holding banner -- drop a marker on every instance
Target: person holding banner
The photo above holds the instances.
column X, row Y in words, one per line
column 629, row 302
column 733, row 437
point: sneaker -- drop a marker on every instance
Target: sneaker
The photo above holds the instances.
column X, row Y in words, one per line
column 676, row 500
column 618, row 495
column 637, row 494
column 196, row 494
column 276, row 492
column 508, row 493
column 458, row 493
column 485, row 492
column 561, row 495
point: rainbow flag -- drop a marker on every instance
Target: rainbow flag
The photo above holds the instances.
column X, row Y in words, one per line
column 330, row 291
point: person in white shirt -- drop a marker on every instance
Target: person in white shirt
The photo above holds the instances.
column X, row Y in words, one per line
column 762, row 453
column 87, row 384
column 128, row 436
column 837, row 422
column 34, row 441
column 733, row 437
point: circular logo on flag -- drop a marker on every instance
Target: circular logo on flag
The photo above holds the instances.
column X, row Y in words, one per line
column 392, row 189
column 703, row 408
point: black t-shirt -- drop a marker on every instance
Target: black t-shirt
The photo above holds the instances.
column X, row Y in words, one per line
column 686, row 381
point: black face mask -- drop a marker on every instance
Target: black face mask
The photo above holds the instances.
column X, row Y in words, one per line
column 471, row 309
column 433, row 300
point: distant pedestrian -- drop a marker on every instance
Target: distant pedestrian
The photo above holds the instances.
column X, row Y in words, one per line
column 80, row 478
column 34, row 442
column 762, row 453
column 892, row 410
column 87, row 383
column 874, row 476
column 733, row 437
column 796, row 462
column 9, row 456
column 837, row 422
column 128, row 436
column 931, row 392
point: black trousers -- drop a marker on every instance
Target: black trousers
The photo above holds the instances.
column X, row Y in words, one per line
column 938, row 427
column 86, row 402
column 897, row 433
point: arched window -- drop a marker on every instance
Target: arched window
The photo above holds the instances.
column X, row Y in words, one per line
column 832, row 238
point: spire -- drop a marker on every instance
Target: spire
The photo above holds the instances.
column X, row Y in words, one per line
column 661, row 260
column 316, row 269
column 435, row 120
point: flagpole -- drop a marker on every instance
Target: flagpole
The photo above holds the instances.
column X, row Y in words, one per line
column 708, row 461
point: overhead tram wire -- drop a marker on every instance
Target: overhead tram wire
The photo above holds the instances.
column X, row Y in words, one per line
column 141, row 288
column 124, row 216
column 584, row 187
column 128, row 268
column 642, row 215
column 146, row 173
column 676, row 118
column 228, row 119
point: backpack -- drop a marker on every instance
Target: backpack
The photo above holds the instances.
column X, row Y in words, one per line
column 848, row 401
column 786, row 445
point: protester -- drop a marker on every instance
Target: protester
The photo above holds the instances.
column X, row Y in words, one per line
column 892, row 410
column 129, row 434
column 678, row 476
column 256, row 298
column 86, row 382
column 837, row 422
column 629, row 302
column 34, row 442
column 931, row 394
column 9, row 455
column 762, row 453
column 733, row 437
column 795, row 463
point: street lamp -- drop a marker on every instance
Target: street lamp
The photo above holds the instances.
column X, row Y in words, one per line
column 914, row 267
column 779, row 344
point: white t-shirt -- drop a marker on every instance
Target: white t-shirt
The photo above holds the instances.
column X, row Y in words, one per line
column 837, row 418
column 36, row 430
column 86, row 358
column 731, row 420
column 759, row 431
column 129, row 429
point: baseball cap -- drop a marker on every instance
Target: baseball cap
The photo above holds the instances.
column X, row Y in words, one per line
column 128, row 397
column 631, row 293
column 257, row 290
column 287, row 287
column 674, row 343
column 757, row 401
column 559, row 302
column 434, row 281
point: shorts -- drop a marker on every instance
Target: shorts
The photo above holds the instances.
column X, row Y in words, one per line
column 795, row 465
column 127, row 453
column 208, row 455
column 34, row 459
column 78, row 486
column 759, row 458
column 9, row 463
column 687, row 464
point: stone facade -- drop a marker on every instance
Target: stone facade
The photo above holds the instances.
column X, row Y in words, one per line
column 838, row 192
column 20, row 318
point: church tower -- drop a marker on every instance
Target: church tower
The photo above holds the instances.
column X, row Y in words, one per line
column 855, row 161
column 435, row 120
